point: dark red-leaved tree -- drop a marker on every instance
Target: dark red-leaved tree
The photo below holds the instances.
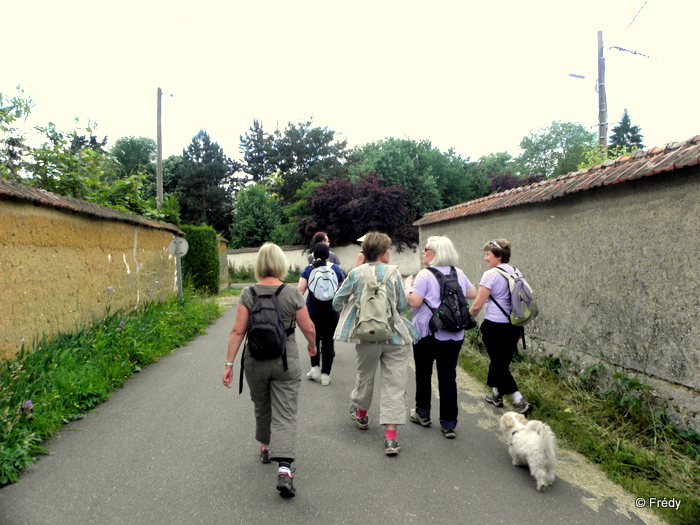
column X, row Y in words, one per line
column 347, row 210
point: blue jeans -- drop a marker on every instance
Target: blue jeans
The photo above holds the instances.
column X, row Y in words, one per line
column 444, row 354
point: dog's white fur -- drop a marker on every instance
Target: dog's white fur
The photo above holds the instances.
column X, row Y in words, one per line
column 531, row 443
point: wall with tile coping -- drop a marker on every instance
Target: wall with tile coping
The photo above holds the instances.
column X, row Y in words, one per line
column 615, row 271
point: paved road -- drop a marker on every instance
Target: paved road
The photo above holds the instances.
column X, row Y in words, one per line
column 176, row 447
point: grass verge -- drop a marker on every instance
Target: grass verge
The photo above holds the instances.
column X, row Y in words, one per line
column 60, row 379
column 621, row 429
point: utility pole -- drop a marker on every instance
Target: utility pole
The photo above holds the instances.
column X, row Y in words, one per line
column 602, row 101
column 159, row 160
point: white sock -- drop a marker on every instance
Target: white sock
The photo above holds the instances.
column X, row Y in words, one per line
column 517, row 397
column 285, row 470
column 495, row 392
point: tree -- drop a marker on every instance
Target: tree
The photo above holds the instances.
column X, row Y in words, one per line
column 255, row 146
column 405, row 162
column 626, row 136
column 205, row 184
column 256, row 216
column 12, row 142
column 554, row 150
column 287, row 158
column 134, row 155
column 346, row 210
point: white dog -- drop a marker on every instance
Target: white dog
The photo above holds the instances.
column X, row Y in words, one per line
column 531, row 443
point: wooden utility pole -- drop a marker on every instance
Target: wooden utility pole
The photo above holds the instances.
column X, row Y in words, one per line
column 159, row 160
column 602, row 102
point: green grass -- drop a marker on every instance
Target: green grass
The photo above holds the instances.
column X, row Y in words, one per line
column 68, row 375
column 621, row 429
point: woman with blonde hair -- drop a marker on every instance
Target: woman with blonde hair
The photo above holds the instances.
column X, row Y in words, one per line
column 274, row 383
column 391, row 355
column 440, row 347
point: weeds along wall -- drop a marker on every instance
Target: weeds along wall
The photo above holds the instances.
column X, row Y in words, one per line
column 615, row 272
column 60, row 269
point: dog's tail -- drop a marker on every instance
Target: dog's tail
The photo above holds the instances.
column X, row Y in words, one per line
column 547, row 451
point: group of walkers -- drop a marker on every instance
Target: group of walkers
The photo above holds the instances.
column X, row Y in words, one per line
column 274, row 383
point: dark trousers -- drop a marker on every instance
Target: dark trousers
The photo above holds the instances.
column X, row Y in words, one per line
column 325, row 323
column 444, row 354
column 501, row 341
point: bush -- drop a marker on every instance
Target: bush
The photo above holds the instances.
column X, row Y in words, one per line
column 200, row 265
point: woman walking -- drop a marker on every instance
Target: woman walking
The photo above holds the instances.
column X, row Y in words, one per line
column 274, row 383
column 499, row 336
column 440, row 347
column 323, row 315
column 392, row 355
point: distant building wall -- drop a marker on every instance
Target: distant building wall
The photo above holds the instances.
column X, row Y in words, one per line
column 60, row 269
column 408, row 260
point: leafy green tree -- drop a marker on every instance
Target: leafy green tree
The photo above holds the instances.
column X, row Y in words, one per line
column 134, row 155
column 626, row 136
column 256, row 216
column 285, row 159
column 554, row 150
column 13, row 148
column 405, row 162
column 205, row 184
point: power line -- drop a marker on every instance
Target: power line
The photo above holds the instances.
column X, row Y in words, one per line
column 635, row 16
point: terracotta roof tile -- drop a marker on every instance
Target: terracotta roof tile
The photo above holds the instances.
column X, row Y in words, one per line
column 16, row 191
column 648, row 163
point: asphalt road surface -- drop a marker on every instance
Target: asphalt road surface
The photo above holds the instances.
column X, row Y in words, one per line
column 174, row 446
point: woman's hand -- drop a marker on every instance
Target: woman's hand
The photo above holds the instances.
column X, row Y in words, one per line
column 312, row 349
column 227, row 377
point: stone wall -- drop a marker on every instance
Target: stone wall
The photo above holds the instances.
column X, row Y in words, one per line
column 60, row 269
column 615, row 272
column 408, row 260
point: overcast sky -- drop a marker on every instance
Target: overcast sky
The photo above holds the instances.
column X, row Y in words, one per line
column 476, row 76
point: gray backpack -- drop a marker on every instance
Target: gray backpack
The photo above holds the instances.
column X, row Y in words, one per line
column 374, row 316
column 522, row 301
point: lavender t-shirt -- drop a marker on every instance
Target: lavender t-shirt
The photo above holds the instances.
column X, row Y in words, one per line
column 426, row 285
column 498, row 285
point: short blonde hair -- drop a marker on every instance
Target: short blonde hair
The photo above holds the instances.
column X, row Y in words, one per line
column 445, row 253
column 270, row 262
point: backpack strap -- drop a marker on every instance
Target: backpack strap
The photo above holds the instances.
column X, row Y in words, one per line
column 502, row 272
column 288, row 331
column 440, row 277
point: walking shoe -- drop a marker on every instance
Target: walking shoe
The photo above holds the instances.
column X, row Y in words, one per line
column 314, row 373
column 523, row 407
column 422, row 421
column 264, row 454
column 496, row 401
column 325, row 379
column 362, row 422
column 449, row 433
column 285, row 484
column 391, row 447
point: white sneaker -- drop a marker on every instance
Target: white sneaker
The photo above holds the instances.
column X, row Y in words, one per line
column 314, row 373
column 325, row 379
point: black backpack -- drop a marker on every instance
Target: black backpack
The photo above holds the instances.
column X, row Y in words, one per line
column 266, row 337
column 453, row 312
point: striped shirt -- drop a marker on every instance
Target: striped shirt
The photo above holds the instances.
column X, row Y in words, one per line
column 347, row 300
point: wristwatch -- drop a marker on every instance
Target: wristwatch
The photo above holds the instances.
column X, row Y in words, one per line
column 228, row 364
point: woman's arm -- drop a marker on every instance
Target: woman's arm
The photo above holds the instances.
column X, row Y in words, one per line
column 471, row 292
column 234, row 342
column 307, row 328
column 343, row 294
column 481, row 297
column 303, row 284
